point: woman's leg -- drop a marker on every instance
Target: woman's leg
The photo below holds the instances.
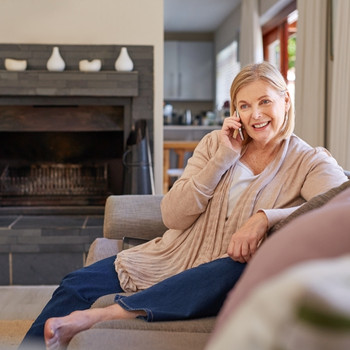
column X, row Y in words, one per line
column 194, row 293
column 197, row 292
column 59, row 331
column 77, row 291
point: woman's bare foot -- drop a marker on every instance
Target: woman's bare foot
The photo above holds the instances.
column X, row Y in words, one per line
column 58, row 332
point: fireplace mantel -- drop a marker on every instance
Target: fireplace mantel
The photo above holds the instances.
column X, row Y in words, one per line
column 69, row 83
column 101, row 87
column 39, row 87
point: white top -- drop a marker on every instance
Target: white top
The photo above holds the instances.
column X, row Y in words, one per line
column 242, row 177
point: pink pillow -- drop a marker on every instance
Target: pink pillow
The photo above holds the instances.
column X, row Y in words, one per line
column 320, row 233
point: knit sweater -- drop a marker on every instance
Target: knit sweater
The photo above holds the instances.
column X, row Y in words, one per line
column 195, row 208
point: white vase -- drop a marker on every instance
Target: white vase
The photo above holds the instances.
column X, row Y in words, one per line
column 124, row 62
column 55, row 63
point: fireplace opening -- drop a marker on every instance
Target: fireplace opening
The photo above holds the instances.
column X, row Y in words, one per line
column 80, row 164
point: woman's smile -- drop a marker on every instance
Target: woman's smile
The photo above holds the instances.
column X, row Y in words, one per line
column 260, row 125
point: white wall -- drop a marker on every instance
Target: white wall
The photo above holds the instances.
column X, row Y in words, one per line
column 229, row 29
column 128, row 22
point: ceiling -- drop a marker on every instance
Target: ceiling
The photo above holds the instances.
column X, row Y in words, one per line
column 196, row 15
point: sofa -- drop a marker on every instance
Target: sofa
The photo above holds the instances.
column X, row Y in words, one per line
column 133, row 219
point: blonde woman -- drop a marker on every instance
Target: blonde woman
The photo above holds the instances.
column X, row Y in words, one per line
column 235, row 187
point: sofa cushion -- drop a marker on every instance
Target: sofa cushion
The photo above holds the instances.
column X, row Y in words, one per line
column 312, row 204
column 136, row 216
column 93, row 339
column 321, row 233
column 202, row 325
column 102, row 248
column 104, row 301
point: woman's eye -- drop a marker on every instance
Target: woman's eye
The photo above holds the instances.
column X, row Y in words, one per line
column 243, row 106
column 265, row 102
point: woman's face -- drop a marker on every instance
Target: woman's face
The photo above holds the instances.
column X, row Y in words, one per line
column 262, row 110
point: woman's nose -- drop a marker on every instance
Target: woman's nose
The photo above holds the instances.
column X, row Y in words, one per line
column 256, row 113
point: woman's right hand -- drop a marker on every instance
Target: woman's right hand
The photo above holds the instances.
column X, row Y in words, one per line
column 229, row 126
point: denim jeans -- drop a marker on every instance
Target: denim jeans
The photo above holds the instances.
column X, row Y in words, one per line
column 194, row 293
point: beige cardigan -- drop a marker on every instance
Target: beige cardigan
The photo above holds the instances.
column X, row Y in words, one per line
column 195, row 208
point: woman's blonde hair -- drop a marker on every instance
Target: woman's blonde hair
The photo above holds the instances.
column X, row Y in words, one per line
column 268, row 73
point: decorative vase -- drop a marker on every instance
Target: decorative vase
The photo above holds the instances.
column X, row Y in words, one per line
column 124, row 62
column 55, row 63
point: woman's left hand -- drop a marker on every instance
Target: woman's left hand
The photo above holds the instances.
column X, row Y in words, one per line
column 245, row 241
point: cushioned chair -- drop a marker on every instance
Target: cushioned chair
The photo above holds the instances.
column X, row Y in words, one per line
column 130, row 220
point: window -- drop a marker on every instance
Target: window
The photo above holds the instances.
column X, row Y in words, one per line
column 279, row 39
column 227, row 67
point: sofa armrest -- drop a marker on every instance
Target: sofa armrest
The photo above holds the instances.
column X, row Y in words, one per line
column 137, row 216
column 102, row 248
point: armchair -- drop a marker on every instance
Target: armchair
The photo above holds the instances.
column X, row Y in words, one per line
column 129, row 220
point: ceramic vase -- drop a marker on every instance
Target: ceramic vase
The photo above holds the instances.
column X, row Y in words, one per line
column 55, row 63
column 124, row 62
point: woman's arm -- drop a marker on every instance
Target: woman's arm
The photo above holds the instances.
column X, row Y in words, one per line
column 324, row 173
column 319, row 171
column 189, row 196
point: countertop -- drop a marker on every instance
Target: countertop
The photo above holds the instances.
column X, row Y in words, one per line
column 187, row 132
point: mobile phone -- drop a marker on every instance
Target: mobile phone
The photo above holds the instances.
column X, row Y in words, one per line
column 240, row 129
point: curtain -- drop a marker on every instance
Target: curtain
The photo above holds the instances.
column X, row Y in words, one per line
column 339, row 138
column 310, row 68
column 251, row 45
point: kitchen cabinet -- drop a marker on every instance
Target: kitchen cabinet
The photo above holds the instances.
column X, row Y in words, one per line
column 188, row 70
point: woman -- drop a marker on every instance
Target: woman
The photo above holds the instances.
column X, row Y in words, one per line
column 218, row 213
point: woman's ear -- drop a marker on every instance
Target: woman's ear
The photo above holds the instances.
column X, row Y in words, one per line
column 287, row 101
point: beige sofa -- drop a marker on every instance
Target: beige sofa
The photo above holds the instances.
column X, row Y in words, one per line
column 138, row 216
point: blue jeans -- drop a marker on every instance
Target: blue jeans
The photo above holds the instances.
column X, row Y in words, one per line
column 194, row 293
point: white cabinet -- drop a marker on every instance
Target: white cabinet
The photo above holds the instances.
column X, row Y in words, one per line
column 188, row 70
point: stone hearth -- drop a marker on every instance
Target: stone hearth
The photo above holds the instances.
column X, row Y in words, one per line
column 42, row 249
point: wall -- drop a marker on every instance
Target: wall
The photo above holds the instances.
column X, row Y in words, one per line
column 228, row 31
column 132, row 22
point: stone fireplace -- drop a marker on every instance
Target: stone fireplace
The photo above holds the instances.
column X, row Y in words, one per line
column 62, row 138
column 63, row 134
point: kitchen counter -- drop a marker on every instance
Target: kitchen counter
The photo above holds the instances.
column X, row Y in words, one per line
column 187, row 132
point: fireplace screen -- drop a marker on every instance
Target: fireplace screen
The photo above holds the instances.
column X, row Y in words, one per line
column 54, row 180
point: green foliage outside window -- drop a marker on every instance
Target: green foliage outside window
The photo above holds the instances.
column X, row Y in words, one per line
column 292, row 45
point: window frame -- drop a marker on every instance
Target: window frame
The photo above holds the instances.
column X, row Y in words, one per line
column 279, row 28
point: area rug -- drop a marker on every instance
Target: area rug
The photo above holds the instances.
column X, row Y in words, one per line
column 12, row 332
